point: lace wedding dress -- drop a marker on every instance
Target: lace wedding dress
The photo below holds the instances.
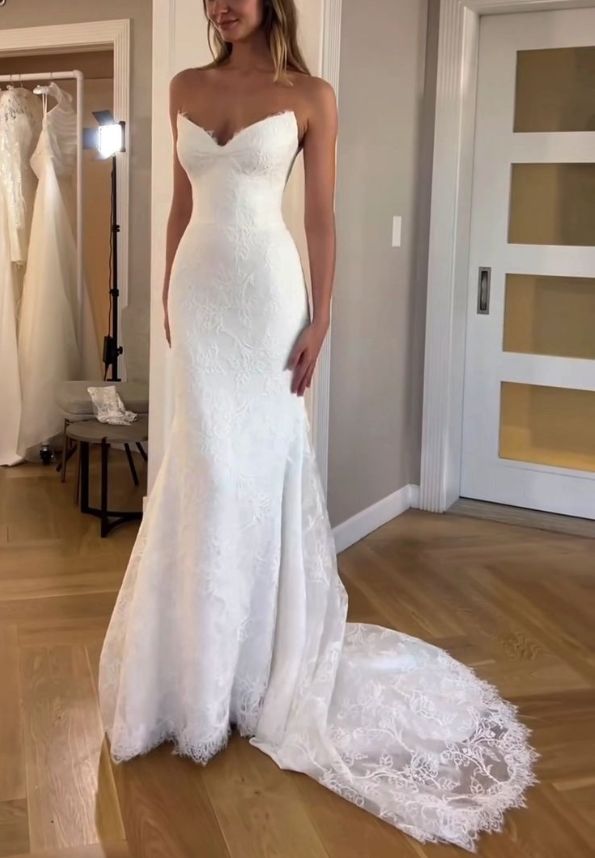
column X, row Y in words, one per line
column 231, row 611
column 20, row 124
column 50, row 349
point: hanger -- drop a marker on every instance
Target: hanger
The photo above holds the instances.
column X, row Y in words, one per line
column 43, row 89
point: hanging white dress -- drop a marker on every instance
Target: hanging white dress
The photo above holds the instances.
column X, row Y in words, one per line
column 48, row 343
column 20, row 125
column 231, row 611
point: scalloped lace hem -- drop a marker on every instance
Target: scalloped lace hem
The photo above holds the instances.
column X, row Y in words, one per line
column 183, row 747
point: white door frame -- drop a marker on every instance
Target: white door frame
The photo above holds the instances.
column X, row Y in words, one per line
column 326, row 15
column 446, row 320
column 330, row 66
column 114, row 35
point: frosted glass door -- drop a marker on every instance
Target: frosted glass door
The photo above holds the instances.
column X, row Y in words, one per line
column 529, row 394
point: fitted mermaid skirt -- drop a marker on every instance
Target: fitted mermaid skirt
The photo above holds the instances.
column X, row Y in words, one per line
column 231, row 612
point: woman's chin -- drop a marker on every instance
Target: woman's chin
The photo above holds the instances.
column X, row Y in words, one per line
column 229, row 34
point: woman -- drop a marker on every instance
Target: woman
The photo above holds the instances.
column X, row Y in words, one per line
column 231, row 612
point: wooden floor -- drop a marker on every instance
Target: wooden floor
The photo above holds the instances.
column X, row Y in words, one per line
column 517, row 604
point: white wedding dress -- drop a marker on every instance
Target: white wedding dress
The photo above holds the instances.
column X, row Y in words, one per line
column 20, row 124
column 50, row 346
column 231, row 611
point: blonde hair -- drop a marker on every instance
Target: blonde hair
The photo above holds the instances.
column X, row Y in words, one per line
column 280, row 27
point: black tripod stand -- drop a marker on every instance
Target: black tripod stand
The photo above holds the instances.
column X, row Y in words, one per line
column 111, row 349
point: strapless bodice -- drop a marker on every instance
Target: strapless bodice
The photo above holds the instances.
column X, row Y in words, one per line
column 239, row 183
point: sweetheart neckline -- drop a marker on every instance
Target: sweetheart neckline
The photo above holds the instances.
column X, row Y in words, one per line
column 240, row 131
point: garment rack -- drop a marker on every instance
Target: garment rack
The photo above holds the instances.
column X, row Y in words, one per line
column 79, row 77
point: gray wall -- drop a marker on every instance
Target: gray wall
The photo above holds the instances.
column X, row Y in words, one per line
column 33, row 13
column 386, row 106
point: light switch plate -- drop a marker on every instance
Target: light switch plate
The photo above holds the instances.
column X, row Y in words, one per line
column 396, row 242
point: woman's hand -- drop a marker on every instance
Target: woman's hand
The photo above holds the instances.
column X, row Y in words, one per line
column 166, row 322
column 304, row 355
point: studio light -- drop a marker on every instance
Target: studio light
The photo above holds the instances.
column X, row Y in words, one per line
column 109, row 139
column 110, row 134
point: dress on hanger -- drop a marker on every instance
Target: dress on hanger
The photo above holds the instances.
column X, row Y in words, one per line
column 20, row 125
column 48, row 341
column 231, row 612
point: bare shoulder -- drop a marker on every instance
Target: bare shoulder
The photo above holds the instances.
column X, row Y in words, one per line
column 320, row 101
column 189, row 80
column 189, row 77
column 180, row 80
column 320, row 88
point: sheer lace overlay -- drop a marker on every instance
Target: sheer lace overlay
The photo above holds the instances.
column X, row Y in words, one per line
column 231, row 611
column 20, row 121
column 108, row 406
column 53, row 344
column 20, row 125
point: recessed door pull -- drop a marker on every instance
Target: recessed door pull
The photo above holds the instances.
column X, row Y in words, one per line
column 483, row 290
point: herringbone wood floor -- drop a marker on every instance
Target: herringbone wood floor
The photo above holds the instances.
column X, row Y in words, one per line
column 516, row 604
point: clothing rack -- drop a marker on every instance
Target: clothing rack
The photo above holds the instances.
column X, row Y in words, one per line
column 79, row 77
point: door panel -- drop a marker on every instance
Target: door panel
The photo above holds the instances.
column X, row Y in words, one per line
column 529, row 393
column 552, row 204
column 554, row 89
column 548, row 425
column 549, row 315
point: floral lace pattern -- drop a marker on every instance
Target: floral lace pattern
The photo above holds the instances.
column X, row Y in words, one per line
column 57, row 146
column 57, row 339
column 231, row 612
column 20, row 125
column 108, row 406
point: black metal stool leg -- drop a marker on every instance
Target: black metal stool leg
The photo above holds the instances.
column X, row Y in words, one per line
column 141, row 450
column 61, row 467
column 77, row 468
column 104, row 487
column 84, row 459
column 86, row 435
column 131, row 463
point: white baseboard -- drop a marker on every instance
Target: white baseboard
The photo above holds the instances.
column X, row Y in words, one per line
column 360, row 525
column 363, row 523
column 414, row 496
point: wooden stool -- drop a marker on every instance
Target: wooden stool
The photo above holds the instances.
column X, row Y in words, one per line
column 88, row 432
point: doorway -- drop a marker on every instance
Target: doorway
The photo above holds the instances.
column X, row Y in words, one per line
column 69, row 252
column 529, row 390
column 97, row 67
column 507, row 390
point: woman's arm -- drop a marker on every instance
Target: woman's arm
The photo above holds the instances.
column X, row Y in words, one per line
column 319, row 214
column 319, row 221
column 181, row 204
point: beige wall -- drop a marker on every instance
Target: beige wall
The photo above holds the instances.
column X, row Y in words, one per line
column 386, row 99
column 33, row 13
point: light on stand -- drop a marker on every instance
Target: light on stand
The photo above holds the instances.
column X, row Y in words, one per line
column 109, row 139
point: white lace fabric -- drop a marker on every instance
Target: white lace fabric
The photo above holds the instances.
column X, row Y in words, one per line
column 57, row 146
column 108, row 406
column 57, row 339
column 20, row 125
column 231, row 612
